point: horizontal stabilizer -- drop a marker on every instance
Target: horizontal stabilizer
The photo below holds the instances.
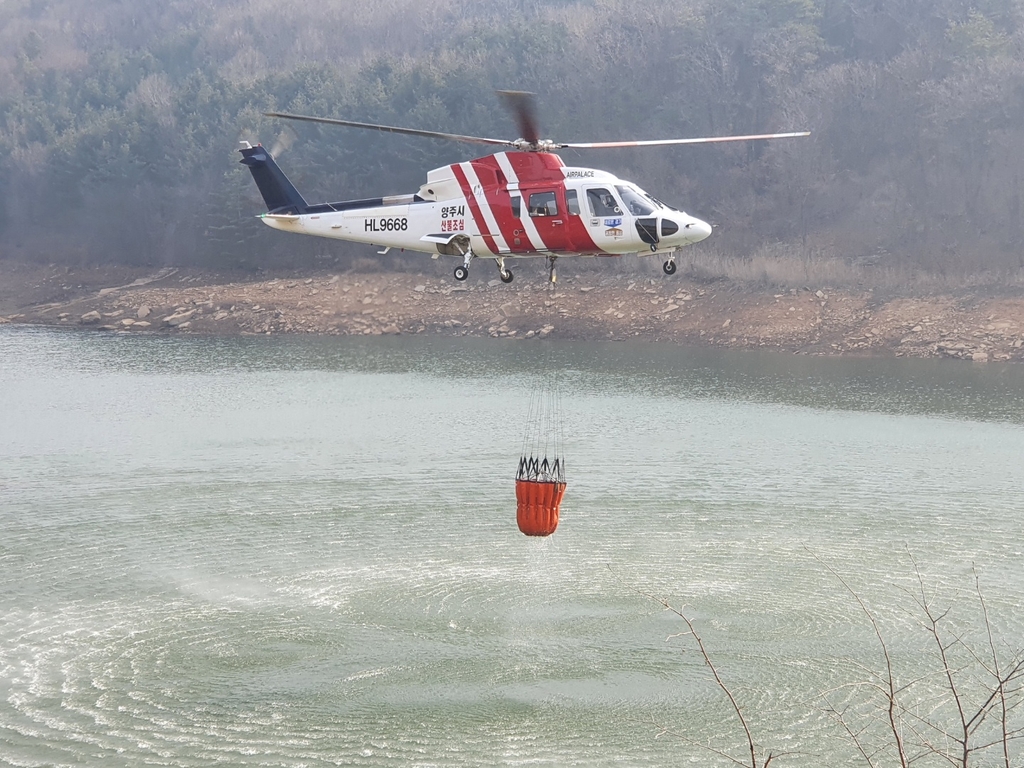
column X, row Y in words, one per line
column 442, row 239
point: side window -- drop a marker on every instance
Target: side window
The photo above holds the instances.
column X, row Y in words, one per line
column 602, row 203
column 572, row 202
column 516, row 211
column 543, row 204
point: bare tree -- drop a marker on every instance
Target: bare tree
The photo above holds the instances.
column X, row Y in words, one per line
column 962, row 710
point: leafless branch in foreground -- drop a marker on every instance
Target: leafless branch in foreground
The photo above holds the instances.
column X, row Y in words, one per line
column 972, row 713
column 757, row 757
column 889, row 687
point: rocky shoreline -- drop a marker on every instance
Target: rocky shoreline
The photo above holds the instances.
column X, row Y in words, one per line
column 596, row 307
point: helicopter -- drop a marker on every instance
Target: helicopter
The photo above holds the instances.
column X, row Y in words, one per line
column 520, row 202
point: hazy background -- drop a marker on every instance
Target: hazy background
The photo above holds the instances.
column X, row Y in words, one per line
column 119, row 120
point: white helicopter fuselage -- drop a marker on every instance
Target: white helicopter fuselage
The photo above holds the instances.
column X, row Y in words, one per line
column 515, row 203
column 506, row 205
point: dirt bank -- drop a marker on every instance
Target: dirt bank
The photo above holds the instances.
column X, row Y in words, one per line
column 811, row 320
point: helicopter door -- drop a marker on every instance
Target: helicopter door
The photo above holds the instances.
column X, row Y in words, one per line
column 607, row 223
column 548, row 215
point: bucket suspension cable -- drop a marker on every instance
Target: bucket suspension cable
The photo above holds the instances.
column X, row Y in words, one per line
column 542, row 458
column 540, row 477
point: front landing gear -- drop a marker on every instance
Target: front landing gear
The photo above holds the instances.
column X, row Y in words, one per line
column 669, row 267
column 552, row 277
column 461, row 273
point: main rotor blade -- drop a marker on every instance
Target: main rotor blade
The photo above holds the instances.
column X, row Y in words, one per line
column 521, row 105
column 393, row 129
column 665, row 142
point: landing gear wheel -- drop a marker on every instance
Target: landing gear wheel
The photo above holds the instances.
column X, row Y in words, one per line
column 669, row 267
column 461, row 273
column 506, row 276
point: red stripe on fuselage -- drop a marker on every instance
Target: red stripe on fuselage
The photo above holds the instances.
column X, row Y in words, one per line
column 533, row 170
column 536, row 167
column 500, row 202
column 474, row 207
column 542, row 170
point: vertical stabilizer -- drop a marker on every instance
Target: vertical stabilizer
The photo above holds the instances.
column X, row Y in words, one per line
column 278, row 192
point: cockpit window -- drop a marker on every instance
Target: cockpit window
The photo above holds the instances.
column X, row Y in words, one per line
column 657, row 203
column 634, row 202
column 602, row 203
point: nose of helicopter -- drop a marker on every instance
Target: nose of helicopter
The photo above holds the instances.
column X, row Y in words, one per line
column 697, row 230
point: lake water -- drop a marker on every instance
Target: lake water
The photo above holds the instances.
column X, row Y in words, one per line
column 303, row 552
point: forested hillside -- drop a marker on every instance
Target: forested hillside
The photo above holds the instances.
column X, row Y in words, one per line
column 119, row 119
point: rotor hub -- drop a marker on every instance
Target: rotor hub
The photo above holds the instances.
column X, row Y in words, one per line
column 541, row 145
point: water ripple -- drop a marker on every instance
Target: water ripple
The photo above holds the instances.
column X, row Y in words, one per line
column 251, row 553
